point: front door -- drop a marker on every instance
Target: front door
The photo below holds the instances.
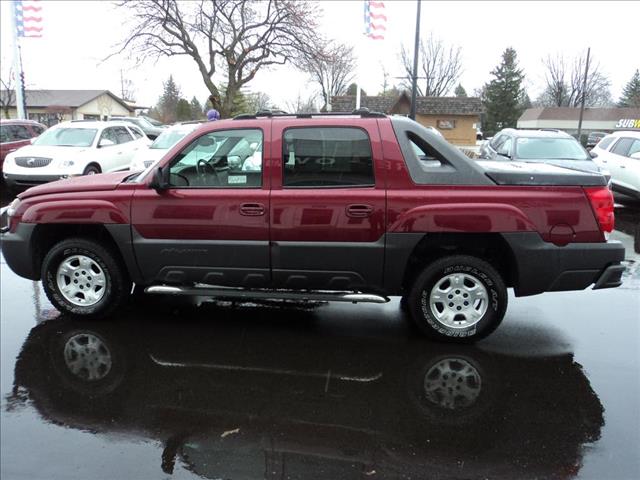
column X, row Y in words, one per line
column 327, row 206
column 212, row 225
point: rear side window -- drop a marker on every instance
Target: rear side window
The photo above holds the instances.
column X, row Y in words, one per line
column 605, row 142
column 37, row 129
column 622, row 146
column 137, row 133
column 327, row 157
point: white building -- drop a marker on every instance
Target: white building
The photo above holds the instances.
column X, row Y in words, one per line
column 53, row 106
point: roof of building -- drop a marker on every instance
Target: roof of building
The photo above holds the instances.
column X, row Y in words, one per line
column 573, row 113
column 401, row 104
column 62, row 98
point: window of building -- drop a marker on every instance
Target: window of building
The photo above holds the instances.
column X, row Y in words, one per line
column 221, row 159
column 327, row 157
column 446, row 124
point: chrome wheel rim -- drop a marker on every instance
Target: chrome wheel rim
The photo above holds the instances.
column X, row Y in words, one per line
column 452, row 383
column 458, row 300
column 87, row 357
column 81, row 280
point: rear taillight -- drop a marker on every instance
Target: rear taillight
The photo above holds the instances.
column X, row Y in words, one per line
column 601, row 200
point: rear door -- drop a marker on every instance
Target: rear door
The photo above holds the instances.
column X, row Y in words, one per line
column 327, row 205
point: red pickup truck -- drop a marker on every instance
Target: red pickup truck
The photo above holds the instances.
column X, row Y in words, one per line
column 353, row 208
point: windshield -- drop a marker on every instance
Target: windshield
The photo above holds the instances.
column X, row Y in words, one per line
column 168, row 139
column 549, row 149
column 67, row 137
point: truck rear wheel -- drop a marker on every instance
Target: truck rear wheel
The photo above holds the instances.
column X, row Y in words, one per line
column 458, row 299
column 83, row 278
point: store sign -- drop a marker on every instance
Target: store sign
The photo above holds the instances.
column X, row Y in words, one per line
column 628, row 123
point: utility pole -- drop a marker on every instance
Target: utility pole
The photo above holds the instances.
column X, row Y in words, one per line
column 414, row 79
column 584, row 93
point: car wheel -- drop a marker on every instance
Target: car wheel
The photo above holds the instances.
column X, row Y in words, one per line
column 83, row 278
column 458, row 299
column 91, row 170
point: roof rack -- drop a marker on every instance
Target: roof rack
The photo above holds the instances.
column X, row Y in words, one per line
column 362, row 112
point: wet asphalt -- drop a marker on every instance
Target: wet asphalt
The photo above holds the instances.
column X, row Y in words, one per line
column 169, row 389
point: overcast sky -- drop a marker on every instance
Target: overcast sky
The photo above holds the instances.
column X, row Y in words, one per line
column 78, row 35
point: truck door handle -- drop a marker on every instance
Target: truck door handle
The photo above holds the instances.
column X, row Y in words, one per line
column 252, row 209
column 359, row 210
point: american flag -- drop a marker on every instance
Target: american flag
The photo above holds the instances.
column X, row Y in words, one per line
column 375, row 20
column 28, row 15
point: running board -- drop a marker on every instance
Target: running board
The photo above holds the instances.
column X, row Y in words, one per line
column 226, row 292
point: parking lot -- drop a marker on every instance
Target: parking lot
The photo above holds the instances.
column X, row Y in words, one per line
column 237, row 390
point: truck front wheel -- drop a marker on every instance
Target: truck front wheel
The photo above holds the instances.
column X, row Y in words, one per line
column 83, row 278
column 458, row 299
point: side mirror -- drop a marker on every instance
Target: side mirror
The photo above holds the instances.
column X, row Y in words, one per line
column 160, row 180
column 593, row 154
column 105, row 142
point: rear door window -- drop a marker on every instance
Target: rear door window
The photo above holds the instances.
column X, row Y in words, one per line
column 327, row 157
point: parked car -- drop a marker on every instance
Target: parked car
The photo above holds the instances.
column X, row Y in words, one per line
column 15, row 134
column 344, row 209
column 74, row 148
column 153, row 121
column 161, row 145
column 548, row 146
column 594, row 138
column 620, row 154
column 150, row 130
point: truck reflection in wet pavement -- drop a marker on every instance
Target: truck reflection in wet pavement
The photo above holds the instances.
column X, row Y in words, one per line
column 244, row 398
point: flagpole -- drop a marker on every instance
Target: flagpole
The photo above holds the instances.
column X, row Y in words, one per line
column 17, row 66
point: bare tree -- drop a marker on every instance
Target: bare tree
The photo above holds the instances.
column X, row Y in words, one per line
column 127, row 89
column 8, row 95
column 565, row 79
column 331, row 67
column 258, row 101
column 234, row 38
column 301, row 104
column 440, row 67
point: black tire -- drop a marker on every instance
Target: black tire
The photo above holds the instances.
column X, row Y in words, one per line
column 479, row 271
column 117, row 285
column 91, row 170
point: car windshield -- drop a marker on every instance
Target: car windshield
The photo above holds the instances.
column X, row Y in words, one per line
column 67, row 137
column 549, row 149
column 168, row 139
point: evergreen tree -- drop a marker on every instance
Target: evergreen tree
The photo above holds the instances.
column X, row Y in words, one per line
column 168, row 103
column 631, row 93
column 351, row 90
column 460, row 91
column 196, row 109
column 503, row 94
column 183, row 110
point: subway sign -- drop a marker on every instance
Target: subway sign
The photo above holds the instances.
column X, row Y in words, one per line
column 628, row 123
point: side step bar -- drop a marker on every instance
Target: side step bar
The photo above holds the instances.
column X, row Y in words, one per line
column 227, row 292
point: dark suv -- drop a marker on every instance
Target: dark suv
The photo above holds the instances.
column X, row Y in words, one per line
column 150, row 130
column 548, row 146
column 17, row 133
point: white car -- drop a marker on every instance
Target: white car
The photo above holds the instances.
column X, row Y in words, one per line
column 619, row 153
column 146, row 157
column 74, row 148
